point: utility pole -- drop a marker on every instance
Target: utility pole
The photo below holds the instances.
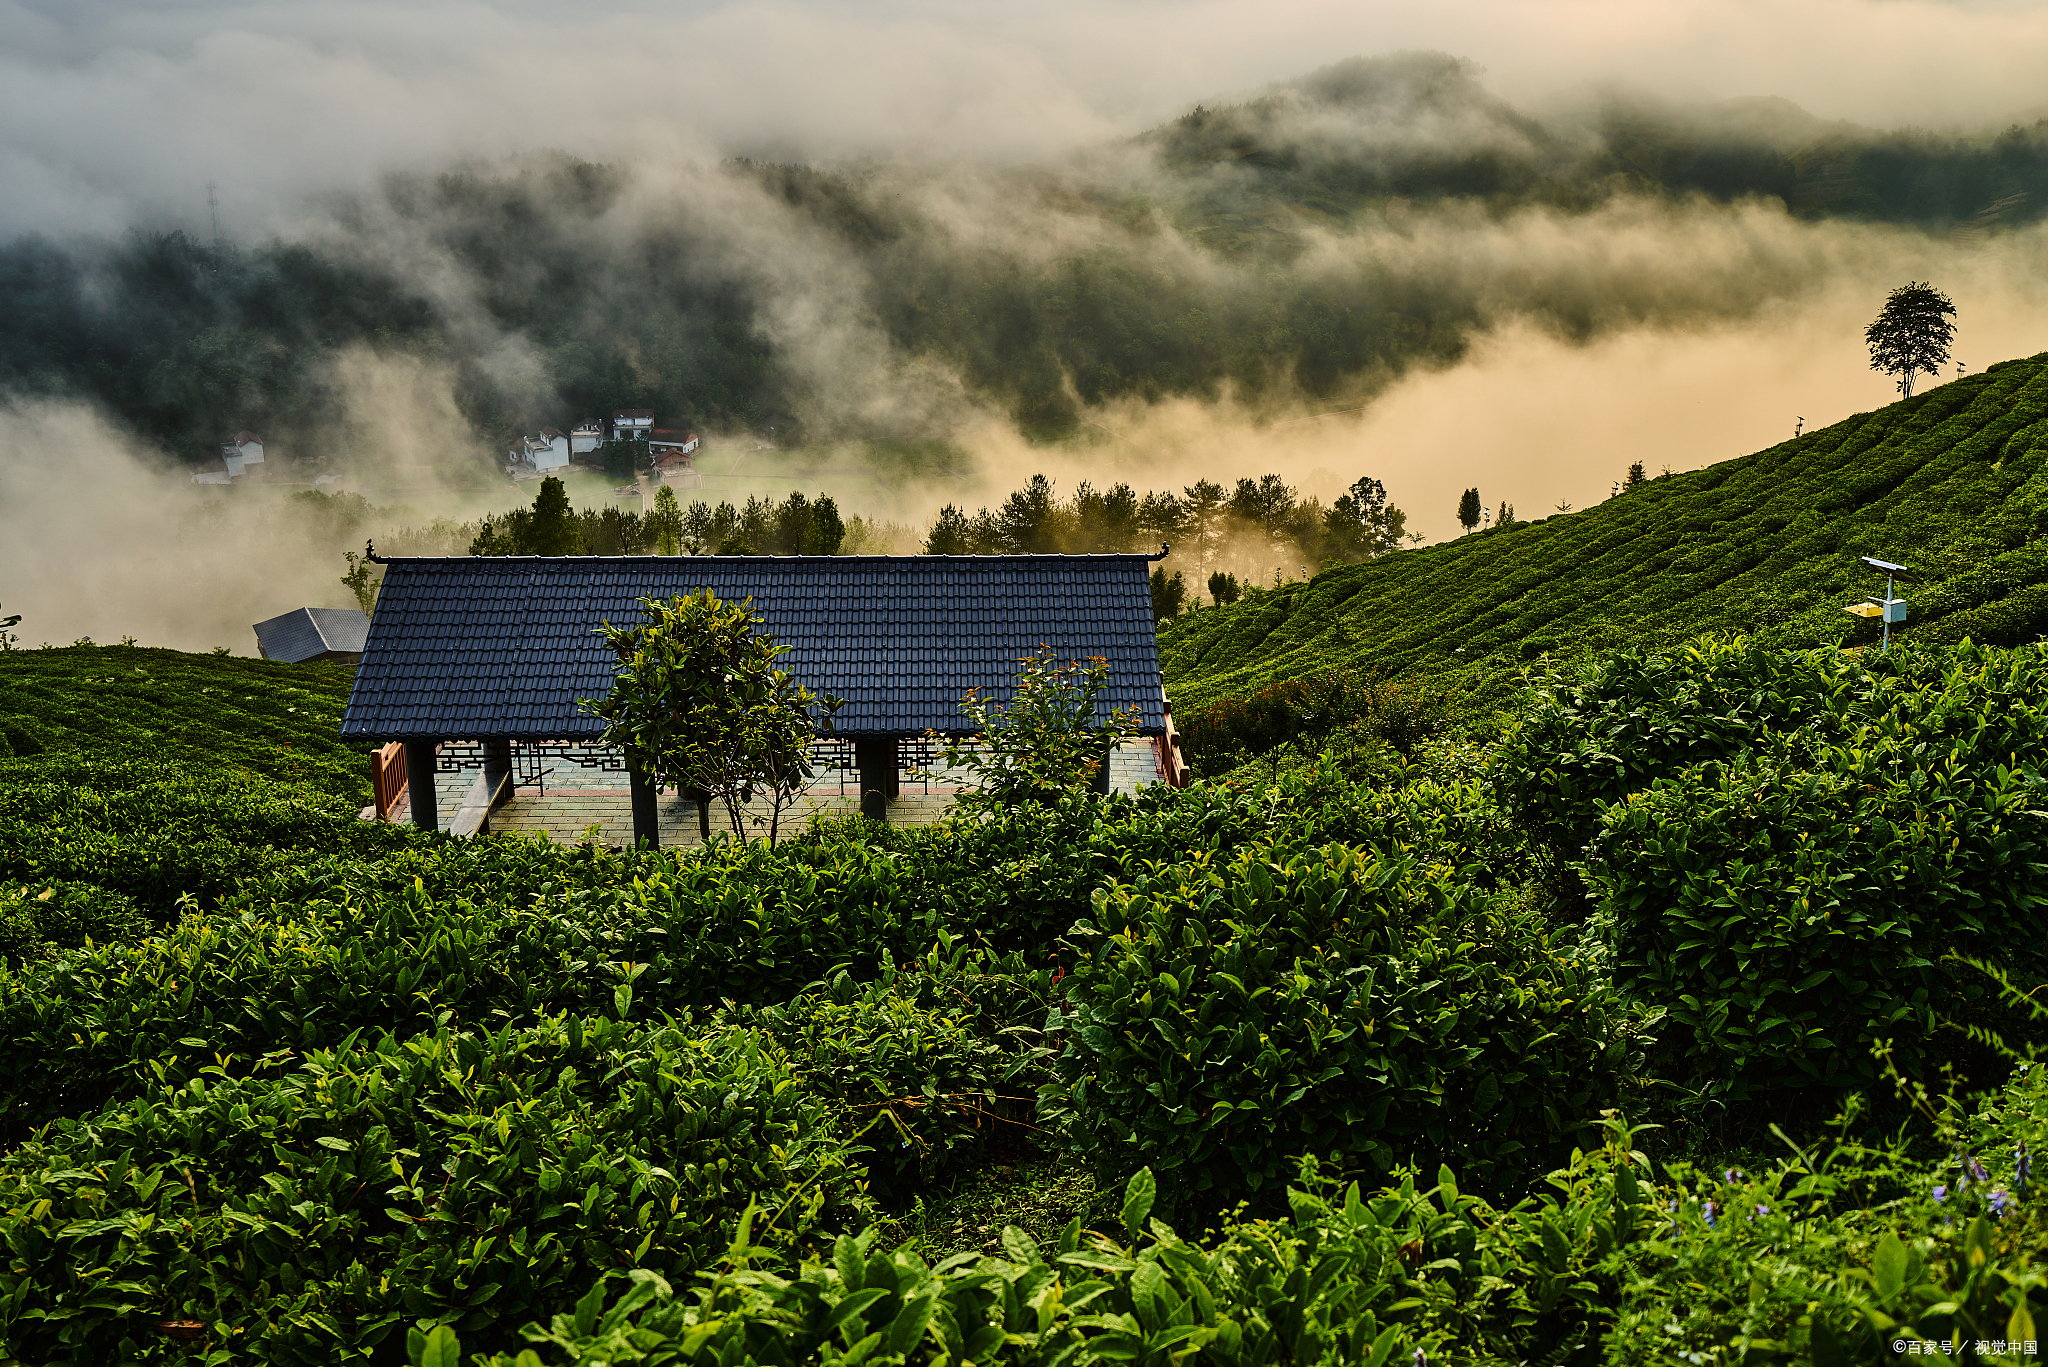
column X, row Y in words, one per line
column 213, row 212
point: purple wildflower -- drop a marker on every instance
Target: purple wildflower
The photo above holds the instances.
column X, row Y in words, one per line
column 2022, row 1167
column 1998, row 1202
column 1940, row 1194
column 1421, row 1358
column 1707, row 1214
column 1977, row 1173
column 1761, row 1211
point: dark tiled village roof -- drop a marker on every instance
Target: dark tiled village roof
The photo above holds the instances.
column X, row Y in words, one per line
column 470, row 647
column 312, row 633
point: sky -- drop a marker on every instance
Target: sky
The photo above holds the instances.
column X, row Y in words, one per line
column 112, row 112
column 115, row 115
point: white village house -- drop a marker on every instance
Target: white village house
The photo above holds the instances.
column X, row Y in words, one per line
column 240, row 455
column 672, row 454
column 241, row 451
column 531, row 456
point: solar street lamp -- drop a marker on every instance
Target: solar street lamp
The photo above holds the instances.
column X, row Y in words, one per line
column 1887, row 608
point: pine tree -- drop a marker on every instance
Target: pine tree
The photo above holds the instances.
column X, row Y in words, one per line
column 667, row 522
column 554, row 530
column 1168, row 595
column 949, row 534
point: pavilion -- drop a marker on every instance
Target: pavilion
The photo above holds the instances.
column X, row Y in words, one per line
column 470, row 656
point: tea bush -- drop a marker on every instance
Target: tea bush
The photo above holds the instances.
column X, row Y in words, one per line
column 1765, row 544
column 1347, row 1278
column 158, row 833
column 299, row 954
column 220, row 713
column 1590, row 737
column 1795, row 906
column 1846, row 1255
column 928, row 1065
column 230, row 970
column 467, row 1178
column 1854, row 1254
column 1334, row 1002
column 39, row 919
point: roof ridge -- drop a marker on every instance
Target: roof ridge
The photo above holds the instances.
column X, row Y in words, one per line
column 758, row 559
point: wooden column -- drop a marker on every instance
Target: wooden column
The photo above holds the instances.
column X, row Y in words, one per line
column 1101, row 784
column 419, row 778
column 646, row 818
column 703, row 801
column 874, row 757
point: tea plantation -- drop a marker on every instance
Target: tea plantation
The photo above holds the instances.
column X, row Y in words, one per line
column 1668, row 1025
column 1953, row 481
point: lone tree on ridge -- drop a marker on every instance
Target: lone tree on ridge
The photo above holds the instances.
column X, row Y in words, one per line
column 1468, row 509
column 1911, row 333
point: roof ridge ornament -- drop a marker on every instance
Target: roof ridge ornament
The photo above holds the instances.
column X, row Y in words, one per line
column 370, row 554
column 1164, row 551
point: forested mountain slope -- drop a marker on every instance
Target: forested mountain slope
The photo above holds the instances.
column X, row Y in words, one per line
column 1302, row 245
column 1951, row 482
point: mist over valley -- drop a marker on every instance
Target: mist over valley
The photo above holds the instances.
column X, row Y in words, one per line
column 1381, row 267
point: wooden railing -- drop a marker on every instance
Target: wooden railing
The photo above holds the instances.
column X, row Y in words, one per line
column 387, row 772
column 1172, row 763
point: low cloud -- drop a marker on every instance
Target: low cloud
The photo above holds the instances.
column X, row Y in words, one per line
column 114, row 112
column 108, row 545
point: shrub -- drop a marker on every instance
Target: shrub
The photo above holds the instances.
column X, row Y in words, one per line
column 926, row 1065
column 2017, row 620
column 1849, row 1255
column 210, row 712
column 490, row 930
column 1334, row 1002
column 470, row 1179
column 1051, row 738
column 1347, row 1278
column 225, row 989
column 1334, row 707
column 160, row 833
column 38, row 919
column 1591, row 737
column 1792, row 909
column 1858, row 1255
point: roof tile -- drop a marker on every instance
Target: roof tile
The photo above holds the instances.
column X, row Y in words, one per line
column 502, row 646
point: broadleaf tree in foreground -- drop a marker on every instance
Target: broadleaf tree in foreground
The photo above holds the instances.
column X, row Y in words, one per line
column 698, row 705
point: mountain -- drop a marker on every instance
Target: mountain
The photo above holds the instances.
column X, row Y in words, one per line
column 1306, row 245
column 1953, row 482
column 1364, row 133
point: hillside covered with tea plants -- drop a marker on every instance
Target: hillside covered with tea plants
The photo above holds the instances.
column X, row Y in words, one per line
column 1667, row 1025
column 1953, row 482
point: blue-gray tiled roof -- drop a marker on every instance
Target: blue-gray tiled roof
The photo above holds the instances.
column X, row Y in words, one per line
column 469, row 647
column 311, row 633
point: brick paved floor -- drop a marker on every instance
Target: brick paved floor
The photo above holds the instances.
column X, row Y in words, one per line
column 578, row 799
